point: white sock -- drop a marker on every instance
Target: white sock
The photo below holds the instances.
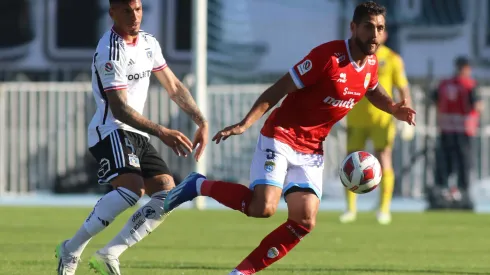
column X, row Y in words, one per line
column 236, row 272
column 140, row 225
column 198, row 185
column 104, row 212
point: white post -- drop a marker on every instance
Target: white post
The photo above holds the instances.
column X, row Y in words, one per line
column 199, row 68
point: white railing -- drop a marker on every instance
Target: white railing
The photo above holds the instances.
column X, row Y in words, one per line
column 43, row 138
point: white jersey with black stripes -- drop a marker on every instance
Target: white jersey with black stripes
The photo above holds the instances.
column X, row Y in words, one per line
column 121, row 65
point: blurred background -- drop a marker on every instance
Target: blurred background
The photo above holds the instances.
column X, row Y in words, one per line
column 46, row 100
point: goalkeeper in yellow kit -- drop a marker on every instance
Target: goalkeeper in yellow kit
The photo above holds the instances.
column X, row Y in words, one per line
column 367, row 122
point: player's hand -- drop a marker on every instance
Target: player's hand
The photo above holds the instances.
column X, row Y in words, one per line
column 236, row 129
column 402, row 112
column 201, row 138
column 174, row 139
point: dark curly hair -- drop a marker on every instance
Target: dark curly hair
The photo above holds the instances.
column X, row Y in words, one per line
column 367, row 9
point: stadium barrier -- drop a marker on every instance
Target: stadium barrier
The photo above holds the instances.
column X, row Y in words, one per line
column 43, row 144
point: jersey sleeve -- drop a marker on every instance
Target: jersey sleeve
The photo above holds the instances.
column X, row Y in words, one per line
column 399, row 77
column 159, row 62
column 308, row 71
column 373, row 82
column 111, row 69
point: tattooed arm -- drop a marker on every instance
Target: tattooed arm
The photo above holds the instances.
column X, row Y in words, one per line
column 180, row 95
column 124, row 113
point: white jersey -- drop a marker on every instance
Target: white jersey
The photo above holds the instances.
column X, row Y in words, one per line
column 120, row 65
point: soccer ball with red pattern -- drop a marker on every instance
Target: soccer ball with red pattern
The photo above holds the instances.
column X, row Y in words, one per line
column 360, row 172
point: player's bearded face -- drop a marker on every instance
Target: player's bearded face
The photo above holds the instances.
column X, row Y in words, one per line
column 368, row 47
column 369, row 34
column 128, row 16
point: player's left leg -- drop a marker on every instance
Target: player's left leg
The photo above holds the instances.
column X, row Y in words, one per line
column 302, row 194
column 158, row 182
column 383, row 139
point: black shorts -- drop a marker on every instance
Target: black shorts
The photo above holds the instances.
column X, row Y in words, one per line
column 124, row 152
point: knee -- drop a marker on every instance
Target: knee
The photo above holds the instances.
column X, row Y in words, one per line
column 262, row 210
column 132, row 182
column 306, row 222
column 159, row 183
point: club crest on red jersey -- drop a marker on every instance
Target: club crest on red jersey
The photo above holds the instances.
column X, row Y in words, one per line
column 367, row 80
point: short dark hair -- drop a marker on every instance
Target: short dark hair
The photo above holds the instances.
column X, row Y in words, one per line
column 367, row 9
column 119, row 1
column 462, row 61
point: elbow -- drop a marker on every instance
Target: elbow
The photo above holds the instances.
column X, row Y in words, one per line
column 117, row 113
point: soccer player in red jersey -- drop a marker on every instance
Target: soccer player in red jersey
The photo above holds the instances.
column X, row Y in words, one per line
column 320, row 90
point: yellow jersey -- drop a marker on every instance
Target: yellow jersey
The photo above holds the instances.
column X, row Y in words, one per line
column 391, row 73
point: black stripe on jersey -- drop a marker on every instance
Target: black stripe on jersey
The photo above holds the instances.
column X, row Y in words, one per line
column 117, row 57
column 114, row 47
column 110, row 46
column 104, row 97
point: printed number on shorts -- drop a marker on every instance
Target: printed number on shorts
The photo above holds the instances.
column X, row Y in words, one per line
column 129, row 144
column 270, row 154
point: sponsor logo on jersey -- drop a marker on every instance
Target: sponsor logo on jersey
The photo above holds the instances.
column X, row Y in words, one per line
column 347, row 92
column 349, row 104
column 304, row 67
column 137, row 76
column 342, row 78
column 109, row 68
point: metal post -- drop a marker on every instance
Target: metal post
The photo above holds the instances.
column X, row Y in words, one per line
column 199, row 68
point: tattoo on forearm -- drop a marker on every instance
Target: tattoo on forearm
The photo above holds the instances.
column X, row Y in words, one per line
column 126, row 114
column 184, row 99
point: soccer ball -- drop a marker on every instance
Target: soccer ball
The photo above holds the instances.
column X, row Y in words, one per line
column 360, row 172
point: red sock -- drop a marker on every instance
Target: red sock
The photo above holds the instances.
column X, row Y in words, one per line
column 273, row 247
column 232, row 195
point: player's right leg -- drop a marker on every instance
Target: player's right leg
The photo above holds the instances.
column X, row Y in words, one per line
column 112, row 155
column 267, row 174
column 356, row 140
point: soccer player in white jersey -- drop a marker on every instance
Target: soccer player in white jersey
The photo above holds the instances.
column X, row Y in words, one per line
column 118, row 139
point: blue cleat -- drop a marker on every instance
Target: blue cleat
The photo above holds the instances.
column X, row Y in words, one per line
column 185, row 191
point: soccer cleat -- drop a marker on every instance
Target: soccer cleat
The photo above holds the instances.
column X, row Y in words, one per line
column 104, row 265
column 383, row 218
column 348, row 217
column 185, row 191
column 67, row 263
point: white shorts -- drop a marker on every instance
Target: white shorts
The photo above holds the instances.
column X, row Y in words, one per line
column 276, row 163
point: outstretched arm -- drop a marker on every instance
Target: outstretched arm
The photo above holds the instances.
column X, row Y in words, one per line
column 381, row 100
column 268, row 99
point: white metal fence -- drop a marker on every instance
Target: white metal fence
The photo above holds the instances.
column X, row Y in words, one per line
column 43, row 138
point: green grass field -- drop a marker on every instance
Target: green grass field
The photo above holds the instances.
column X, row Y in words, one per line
column 213, row 242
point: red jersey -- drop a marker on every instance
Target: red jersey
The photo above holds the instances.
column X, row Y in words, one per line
column 455, row 112
column 329, row 84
